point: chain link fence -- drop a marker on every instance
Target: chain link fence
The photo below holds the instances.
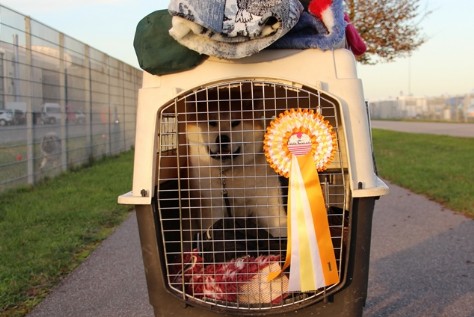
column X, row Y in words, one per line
column 62, row 103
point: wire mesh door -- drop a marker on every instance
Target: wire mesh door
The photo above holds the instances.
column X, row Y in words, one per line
column 221, row 210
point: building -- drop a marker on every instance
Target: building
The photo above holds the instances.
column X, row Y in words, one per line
column 452, row 108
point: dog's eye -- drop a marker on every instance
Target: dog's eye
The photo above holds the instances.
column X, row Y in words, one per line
column 213, row 123
column 235, row 123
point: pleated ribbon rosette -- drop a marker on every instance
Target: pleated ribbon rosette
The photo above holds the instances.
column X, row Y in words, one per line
column 298, row 144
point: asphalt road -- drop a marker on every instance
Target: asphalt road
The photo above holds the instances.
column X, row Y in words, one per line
column 445, row 128
column 422, row 265
column 18, row 133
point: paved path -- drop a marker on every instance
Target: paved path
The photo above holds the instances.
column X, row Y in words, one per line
column 422, row 265
column 453, row 129
column 422, row 259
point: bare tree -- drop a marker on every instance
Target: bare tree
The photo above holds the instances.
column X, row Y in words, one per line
column 390, row 28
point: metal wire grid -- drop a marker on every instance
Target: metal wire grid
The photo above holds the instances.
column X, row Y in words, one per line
column 203, row 201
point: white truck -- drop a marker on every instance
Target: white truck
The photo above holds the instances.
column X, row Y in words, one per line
column 50, row 113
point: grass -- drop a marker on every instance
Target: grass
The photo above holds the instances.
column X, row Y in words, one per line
column 49, row 229
column 439, row 167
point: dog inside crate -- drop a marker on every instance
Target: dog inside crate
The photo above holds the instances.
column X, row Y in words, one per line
column 223, row 214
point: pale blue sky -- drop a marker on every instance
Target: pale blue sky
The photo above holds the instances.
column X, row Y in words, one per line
column 442, row 66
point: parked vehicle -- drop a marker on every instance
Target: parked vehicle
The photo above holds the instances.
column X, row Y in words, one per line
column 50, row 113
column 19, row 117
column 6, row 117
column 18, row 110
column 75, row 116
column 80, row 117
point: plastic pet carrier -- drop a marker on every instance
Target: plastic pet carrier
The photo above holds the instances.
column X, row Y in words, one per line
column 219, row 166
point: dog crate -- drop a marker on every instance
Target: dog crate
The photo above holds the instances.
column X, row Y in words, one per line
column 212, row 213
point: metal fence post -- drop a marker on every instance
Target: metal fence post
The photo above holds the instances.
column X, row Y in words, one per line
column 88, row 100
column 63, row 101
column 29, row 111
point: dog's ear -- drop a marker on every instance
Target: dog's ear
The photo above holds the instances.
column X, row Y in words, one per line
column 257, row 109
column 195, row 111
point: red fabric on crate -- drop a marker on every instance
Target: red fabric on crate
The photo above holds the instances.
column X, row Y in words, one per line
column 354, row 40
column 318, row 7
column 222, row 281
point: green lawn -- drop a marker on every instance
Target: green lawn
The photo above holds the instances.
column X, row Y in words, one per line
column 439, row 167
column 47, row 230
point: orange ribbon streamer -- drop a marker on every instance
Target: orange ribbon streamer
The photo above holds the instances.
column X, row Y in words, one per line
column 310, row 250
column 298, row 144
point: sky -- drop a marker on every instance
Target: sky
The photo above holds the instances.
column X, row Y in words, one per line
column 443, row 66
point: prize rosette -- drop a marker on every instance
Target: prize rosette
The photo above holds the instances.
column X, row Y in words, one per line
column 297, row 132
column 298, row 144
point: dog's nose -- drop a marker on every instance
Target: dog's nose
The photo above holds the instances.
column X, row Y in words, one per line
column 224, row 142
column 223, row 139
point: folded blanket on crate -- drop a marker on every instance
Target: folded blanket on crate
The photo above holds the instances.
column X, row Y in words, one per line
column 318, row 29
column 180, row 38
column 323, row 25
column 232, row 28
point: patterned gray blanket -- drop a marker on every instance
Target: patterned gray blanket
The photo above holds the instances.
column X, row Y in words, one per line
column 232, row 28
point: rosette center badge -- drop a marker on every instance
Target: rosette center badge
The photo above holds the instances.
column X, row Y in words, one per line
column 299, row 132
column 299, row 143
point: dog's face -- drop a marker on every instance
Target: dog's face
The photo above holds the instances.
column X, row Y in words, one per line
column 51, row 144
column 225, row 136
